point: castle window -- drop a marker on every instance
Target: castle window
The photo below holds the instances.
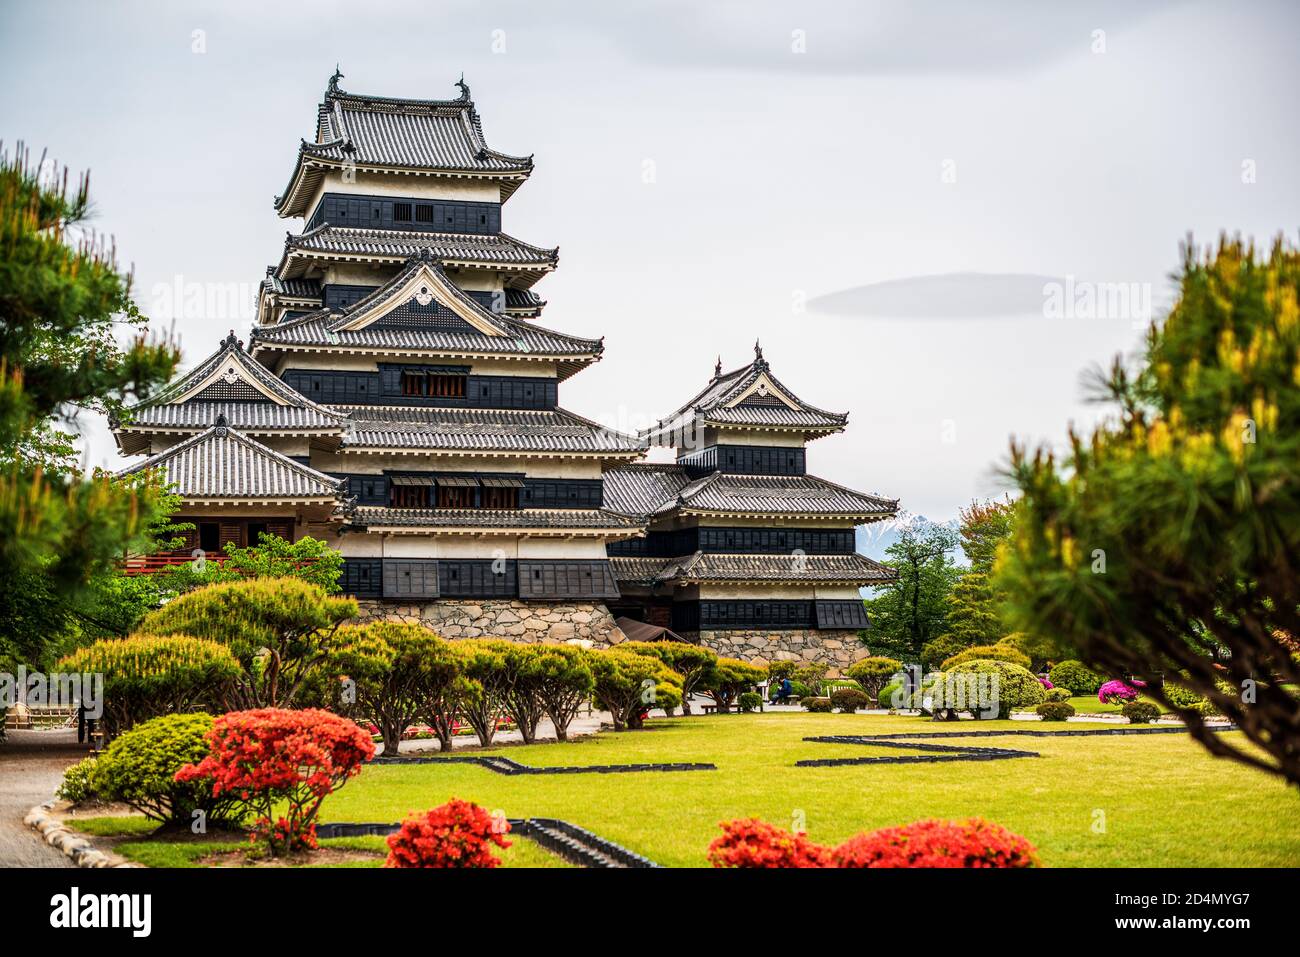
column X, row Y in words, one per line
column 455, row 496
column 423, row 213
column 401, row 212
column 410, row 496
column 447, row 386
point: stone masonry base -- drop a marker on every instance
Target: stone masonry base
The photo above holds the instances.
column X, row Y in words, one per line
column 838, row 649
column 534, row 621
column 504, row 618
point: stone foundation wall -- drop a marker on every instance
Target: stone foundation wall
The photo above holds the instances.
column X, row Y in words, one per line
column 503, row 618
column 838, row 649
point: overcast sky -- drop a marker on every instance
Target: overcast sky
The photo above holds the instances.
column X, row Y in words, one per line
column 908, row 203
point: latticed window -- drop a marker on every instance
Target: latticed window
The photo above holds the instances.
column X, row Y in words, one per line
column 410, row 496
column 500, row 498
column 401, row 212
column 455, row 497
column 423, row 213
column 439, row 386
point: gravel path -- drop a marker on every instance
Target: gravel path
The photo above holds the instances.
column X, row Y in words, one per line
column 31, row 767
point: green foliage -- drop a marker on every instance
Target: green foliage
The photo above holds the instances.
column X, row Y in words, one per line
column 935, row 652
column 628, row 684
column 989, row 653
column 63, row 306
column 777, row 671
column 750, row 701
column 848, row 700
column 150, row 675
column 79, row 783
column 728, row 677
column 1040, row 649
column 1058, row 694
column 1189, row 498
column 1075, row 676
column 1055, row 710
column 279, row 629
column 873, row 673
column 812, row 675
column 483, row 666
column 565, row 681
column 1140, row 712
column 139, row 769
column 817, row 705
column 913, row 609
column 690, row 661
column 885, row 697
column 392, row 672
column 1016, row 688
column 973, row 617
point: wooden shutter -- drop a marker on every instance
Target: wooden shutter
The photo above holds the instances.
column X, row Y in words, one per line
column 411, row 578
column 841, row 614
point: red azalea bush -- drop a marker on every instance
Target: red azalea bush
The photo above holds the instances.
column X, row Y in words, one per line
column 457, row 834
column 973, row 843
column 270, row 756
column 931, row 843
column 754, row 843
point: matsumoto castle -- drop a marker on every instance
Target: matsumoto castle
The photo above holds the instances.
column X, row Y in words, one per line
column 399, row 398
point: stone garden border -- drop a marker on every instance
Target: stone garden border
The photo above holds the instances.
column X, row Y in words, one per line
column 942, row 752
column 575, row 844
column 74, row 845
column 506, row 766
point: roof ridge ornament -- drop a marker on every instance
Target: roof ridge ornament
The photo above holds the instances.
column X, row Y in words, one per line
column 759, row 361
column 717, row 367
column 221, row 425
column 231, row 340
column 334, row 80
column 464, row 87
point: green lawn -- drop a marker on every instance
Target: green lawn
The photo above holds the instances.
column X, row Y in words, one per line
column 1165, row 801
column 187, row 853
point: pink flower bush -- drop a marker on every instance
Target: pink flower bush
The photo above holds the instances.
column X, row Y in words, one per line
column 1115, row 691
column 1047, row 685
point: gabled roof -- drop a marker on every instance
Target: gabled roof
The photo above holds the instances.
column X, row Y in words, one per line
column 750, row 397
column 221, row 464
column 649, row 491
column 482, row 431
column 850, row 569
column 498, row 252
column 230, row 383
column 387, row 134
column 420, row 310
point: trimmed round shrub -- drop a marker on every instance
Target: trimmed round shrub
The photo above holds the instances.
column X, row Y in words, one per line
column 849, row 700
column 934, row 652
column 972, row 843
column 1058, row 694
column 801, row 690
column 887, row 695
column 987, row 653
column 279, row 761
column 817, row 705
column 1075, row 676
column 627, row 685
column 726, row 678
column 456, row 834
column 1055, row 710
column 1140, row 712
column 873, row 673
column 964, row 688
column 1116, row 691
column 293, row 619
column 139, row 768
column 79, row 783
column 750, row 701
column 146, row 676
column 754, row 843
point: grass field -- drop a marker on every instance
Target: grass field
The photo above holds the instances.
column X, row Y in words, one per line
column 1113, row 801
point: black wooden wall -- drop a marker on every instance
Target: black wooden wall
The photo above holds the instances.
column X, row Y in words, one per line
column 397, row 212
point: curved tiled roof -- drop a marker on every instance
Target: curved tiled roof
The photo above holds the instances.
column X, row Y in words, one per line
column 851, row 569
column 222, row 464
column 483, row 430
column 400, row 244
column 723, row 402
column 398, row 134
column 641, row 488
column 246, row 416
column 646, row 490
column 567, row 518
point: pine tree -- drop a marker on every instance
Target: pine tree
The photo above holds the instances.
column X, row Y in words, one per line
column 62, row 305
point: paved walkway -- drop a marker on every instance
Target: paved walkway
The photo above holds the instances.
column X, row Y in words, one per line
column 31, row 768
column 581, row 727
